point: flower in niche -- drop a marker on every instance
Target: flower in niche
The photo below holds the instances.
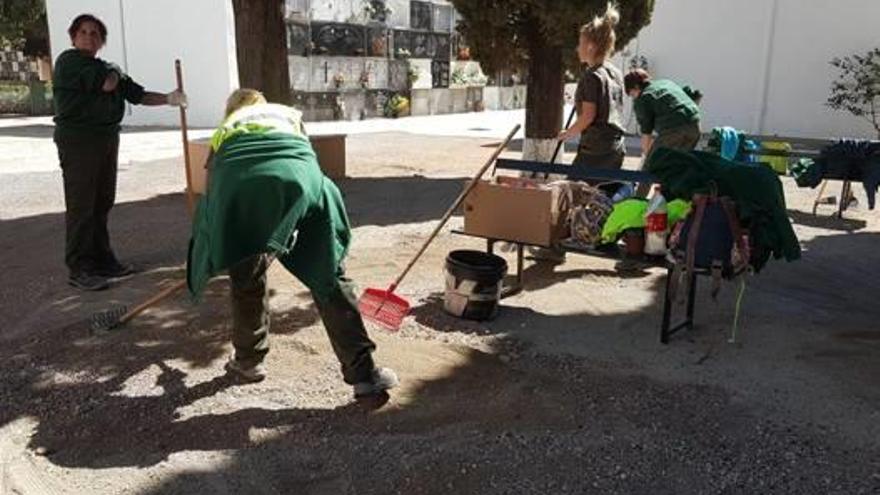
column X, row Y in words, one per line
column 377, row 10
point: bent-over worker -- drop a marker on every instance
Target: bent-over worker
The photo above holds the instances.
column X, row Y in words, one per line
column 267, row 198
column 664, row 107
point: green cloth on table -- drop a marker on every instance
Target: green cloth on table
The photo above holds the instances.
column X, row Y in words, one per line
column 82, row 108
column 807, row 172
column 664, row 105
column 266, row 194
column 630, row 214
column 755, row 188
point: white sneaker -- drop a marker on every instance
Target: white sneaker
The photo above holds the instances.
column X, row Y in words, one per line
column 249, row 373
column 382, row 379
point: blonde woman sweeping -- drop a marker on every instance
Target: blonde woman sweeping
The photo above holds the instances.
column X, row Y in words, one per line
column 599, row 97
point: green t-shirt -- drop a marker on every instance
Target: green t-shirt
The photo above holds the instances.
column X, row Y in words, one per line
column 664, row 105
column 81, row 107
column 602, row 85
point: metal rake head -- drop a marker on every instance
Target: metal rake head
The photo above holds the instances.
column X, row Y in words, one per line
column 108, row 320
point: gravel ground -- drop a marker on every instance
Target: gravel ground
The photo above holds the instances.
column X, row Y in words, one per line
column 567, row 391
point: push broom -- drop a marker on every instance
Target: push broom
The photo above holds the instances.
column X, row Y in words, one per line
column 118, row 316
column 384, row 307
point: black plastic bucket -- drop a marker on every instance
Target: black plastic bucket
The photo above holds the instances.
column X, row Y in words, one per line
column 473, row 284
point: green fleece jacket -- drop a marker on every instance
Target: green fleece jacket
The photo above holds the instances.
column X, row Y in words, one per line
column 266, row 194
column 756, row 189
column 82, row 108
column 664, row 105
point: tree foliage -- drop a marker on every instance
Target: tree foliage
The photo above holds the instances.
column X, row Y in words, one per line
column 498, row 31
column 23, row 25
column 540, row 36
column 857, row 89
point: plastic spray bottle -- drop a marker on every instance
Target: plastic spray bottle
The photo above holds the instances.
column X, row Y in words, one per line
column 656, row 225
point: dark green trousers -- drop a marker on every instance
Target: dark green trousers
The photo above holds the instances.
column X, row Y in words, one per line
column 89, row 170
column 338, row 310
column 684, row 138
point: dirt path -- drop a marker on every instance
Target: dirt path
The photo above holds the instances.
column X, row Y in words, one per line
column 567, row 391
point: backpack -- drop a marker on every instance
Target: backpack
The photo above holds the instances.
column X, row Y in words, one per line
column 710, row 239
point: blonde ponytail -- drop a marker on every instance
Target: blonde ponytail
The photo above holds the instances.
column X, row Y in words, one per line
column 241, row 98
column 600, row 31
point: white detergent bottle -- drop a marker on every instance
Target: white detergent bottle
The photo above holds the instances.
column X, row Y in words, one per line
column 656, row 226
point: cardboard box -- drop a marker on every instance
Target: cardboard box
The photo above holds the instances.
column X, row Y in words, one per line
column 199, row 149
column 514, row 210
column 331, row 154
column 330, row 150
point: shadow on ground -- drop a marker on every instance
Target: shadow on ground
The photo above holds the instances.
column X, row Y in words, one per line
column 154, row 234
column 826, row 221
column 503, row 420
column 386, row 201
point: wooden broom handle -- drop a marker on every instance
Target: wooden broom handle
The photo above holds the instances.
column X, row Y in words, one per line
column 190, row 196
column 159, row 297
column 455, row 205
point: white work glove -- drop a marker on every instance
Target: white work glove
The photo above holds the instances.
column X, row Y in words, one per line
column 117, row 69
column 176, row 98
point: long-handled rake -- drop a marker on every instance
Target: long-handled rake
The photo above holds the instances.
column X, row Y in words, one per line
column 561, row 143
column 384, row 307
column 118, row 316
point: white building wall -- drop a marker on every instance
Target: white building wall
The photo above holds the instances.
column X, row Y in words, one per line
column 809, row 34
column 146, row 37
column 762, row 64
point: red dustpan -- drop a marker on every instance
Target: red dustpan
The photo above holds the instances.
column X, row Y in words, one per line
column 384, row 307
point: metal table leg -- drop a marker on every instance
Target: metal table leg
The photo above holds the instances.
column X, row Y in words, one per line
column 845, row 192
column 667, row 308
column 691, row 300
column 820, row 197
column 517, row 286
column 519, row 265
column 666, row 328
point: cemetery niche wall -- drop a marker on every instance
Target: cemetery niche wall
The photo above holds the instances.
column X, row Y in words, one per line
column 349, row 58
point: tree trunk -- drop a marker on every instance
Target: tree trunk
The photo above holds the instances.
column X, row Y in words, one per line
column 544, row 99
column 261, row 47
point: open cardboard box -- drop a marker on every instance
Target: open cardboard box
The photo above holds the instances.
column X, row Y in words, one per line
column 330, row 150
column 199, row 149
column 515, row 209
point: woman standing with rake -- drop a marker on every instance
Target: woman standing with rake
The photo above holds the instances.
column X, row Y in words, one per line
column 90, row 96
